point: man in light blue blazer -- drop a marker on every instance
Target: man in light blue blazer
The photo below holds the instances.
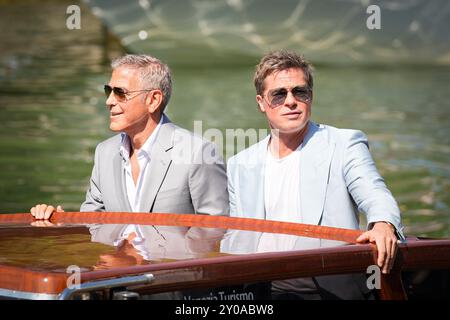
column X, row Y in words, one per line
column 306, row 172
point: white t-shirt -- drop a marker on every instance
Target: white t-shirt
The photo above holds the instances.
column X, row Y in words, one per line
column 281, row 198
column 282, row 187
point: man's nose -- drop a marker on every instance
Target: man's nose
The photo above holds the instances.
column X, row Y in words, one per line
column 111, row 100
column 290, row 100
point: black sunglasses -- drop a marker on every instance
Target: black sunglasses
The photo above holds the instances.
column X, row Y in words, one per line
column 120, row 93
column 278, row 96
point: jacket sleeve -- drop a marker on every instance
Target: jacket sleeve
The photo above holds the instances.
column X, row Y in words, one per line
column 94, row 199
column 208, row 181
column 366, row 185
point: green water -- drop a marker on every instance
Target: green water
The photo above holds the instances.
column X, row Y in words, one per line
column 53, row 113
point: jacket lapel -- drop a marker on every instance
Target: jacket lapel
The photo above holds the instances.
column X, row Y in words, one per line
column 119, row 185
column 252, row 177
column 315, row 161
column 160, row 160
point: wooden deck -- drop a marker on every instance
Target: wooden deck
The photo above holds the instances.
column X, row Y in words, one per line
column 215, row 269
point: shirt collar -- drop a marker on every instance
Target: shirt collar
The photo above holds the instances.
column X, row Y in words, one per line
column 125, row 146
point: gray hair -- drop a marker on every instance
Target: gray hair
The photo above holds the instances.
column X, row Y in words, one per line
column 278, row 61
column 153, row 73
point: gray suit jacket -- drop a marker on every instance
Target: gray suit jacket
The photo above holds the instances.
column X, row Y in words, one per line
column 185, row 175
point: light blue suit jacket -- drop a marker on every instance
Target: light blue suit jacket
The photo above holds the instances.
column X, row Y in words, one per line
column 338, row 179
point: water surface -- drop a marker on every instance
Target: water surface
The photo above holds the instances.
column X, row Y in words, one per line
column 53, row 113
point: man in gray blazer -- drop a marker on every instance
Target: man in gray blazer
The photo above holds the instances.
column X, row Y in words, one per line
column 152, row 165
column 307, row 172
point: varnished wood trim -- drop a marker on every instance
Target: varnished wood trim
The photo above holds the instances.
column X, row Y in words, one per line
column 21, row 279
column 197, row 220
column 234, row 269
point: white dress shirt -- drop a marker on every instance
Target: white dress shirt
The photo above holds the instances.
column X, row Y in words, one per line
column 143, row 157
column 134, row 190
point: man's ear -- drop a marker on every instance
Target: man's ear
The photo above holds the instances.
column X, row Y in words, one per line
column 153, row 100
column 260, row 101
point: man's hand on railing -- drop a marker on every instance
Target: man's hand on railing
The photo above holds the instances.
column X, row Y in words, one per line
column 44, row 211
column 383, row 235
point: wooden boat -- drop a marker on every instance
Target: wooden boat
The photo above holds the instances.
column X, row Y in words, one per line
column 176, row 256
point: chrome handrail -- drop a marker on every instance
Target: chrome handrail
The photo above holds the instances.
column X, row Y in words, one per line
column 106, row 284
